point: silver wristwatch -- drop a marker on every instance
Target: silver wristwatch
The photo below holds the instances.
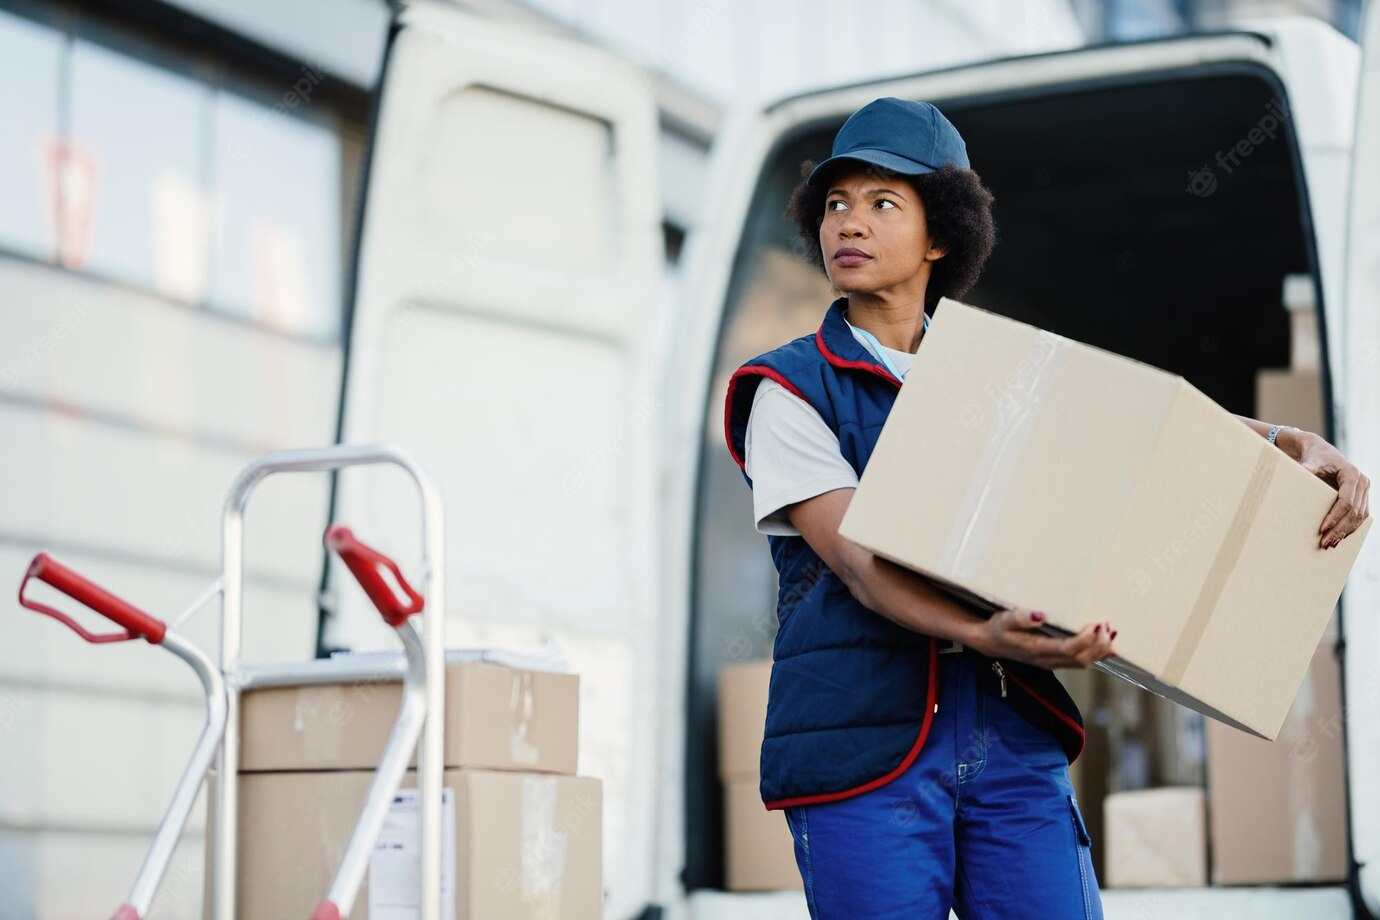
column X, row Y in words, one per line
column 1276, row 429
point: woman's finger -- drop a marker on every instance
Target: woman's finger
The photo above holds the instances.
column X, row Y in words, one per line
column 1023, row 618
column 1351, row 493
column 1102, row 643
column 1085, row 638
column 1340, row 508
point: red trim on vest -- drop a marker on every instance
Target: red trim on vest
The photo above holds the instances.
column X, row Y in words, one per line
column 1082, row 735
column 747, row 370
column 844, row 362
column 931, row 693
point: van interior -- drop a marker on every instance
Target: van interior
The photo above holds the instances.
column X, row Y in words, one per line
column 1117, row 226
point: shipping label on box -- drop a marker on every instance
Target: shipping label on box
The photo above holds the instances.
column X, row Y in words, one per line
column 1020, row 468
column 395, row 865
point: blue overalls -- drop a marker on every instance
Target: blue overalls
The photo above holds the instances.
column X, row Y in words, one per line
column 984, row 820
column 913, row 777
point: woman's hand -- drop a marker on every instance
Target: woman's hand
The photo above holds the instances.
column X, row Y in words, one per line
column 1352, row 506
column 1012, row 634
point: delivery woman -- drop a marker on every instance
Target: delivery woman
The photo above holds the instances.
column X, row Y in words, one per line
column 919, row 750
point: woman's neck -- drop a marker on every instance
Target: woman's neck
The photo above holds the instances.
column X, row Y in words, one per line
column 895, row 325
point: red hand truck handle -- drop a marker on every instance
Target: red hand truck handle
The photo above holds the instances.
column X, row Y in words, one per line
column 366, row 564
column 137, row 624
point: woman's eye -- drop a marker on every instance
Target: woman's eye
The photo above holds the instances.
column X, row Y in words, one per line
column 882, row 201
column 830, row 205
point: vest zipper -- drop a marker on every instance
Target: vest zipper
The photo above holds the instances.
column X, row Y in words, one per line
column 1059, row 714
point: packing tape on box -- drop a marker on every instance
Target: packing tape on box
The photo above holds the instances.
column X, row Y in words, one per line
column 543, row 848
column 1228, row 555
column 520, row 707
column 1018, row 401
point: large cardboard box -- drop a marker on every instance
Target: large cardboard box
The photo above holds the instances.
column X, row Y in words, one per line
column 1156, row 838
column 1277, row 811
column 758, row 849
column 522, row 845
column 742, row 717
column 1020, row 468
column 497, row 717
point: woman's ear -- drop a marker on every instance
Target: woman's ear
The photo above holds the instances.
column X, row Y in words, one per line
column 936, row 252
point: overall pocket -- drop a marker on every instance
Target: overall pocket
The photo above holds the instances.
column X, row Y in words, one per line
column 1092, row 900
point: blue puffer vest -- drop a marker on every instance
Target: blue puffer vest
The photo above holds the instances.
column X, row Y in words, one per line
column 852, row 694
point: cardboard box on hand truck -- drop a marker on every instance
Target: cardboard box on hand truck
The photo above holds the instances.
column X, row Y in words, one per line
column 497, row 717
column 1021, row 468
column 523, row 835
column 516, row 845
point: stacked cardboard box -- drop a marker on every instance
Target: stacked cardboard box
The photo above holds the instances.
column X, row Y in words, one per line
column 1156, row 838
column 523, row 833
column 1093, row 487
column 1278, row 811
column 759, row 853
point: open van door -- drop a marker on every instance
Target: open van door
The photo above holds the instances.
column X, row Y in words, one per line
column 1151, row 198
column 502, row 331
column 1360, row 441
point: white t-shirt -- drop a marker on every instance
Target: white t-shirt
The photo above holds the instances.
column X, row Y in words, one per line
column 791, row 454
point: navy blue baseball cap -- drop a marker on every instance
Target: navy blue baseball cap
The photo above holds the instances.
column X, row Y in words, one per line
column 901, row 135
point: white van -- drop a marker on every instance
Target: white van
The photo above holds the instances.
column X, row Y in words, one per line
column 511, row 339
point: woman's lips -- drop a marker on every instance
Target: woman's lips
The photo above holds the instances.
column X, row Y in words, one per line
column 849, row 258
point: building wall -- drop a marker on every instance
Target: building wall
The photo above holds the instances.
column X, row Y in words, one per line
column 170, row 290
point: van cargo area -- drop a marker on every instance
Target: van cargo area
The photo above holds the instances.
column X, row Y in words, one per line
column 1119, row 226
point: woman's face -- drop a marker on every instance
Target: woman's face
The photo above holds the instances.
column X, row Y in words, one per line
column 874, row 236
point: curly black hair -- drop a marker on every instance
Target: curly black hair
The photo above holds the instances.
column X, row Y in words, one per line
column 958, row 212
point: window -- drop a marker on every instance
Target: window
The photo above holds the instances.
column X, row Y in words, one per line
column 30, row 62
column 276, row 249
column 134, row 163
column 134, row 188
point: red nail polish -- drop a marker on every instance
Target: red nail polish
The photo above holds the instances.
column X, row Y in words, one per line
column 1097, row 630
column 1036, row 616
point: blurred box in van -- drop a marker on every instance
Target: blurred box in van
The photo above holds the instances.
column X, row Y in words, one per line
column 1021, row 468
column 742, row 717
column 1156, row 838
column 1277, row 811
column 759, row 854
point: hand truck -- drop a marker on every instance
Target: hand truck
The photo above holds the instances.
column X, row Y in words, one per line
column 139, row 625
column 421, row 670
